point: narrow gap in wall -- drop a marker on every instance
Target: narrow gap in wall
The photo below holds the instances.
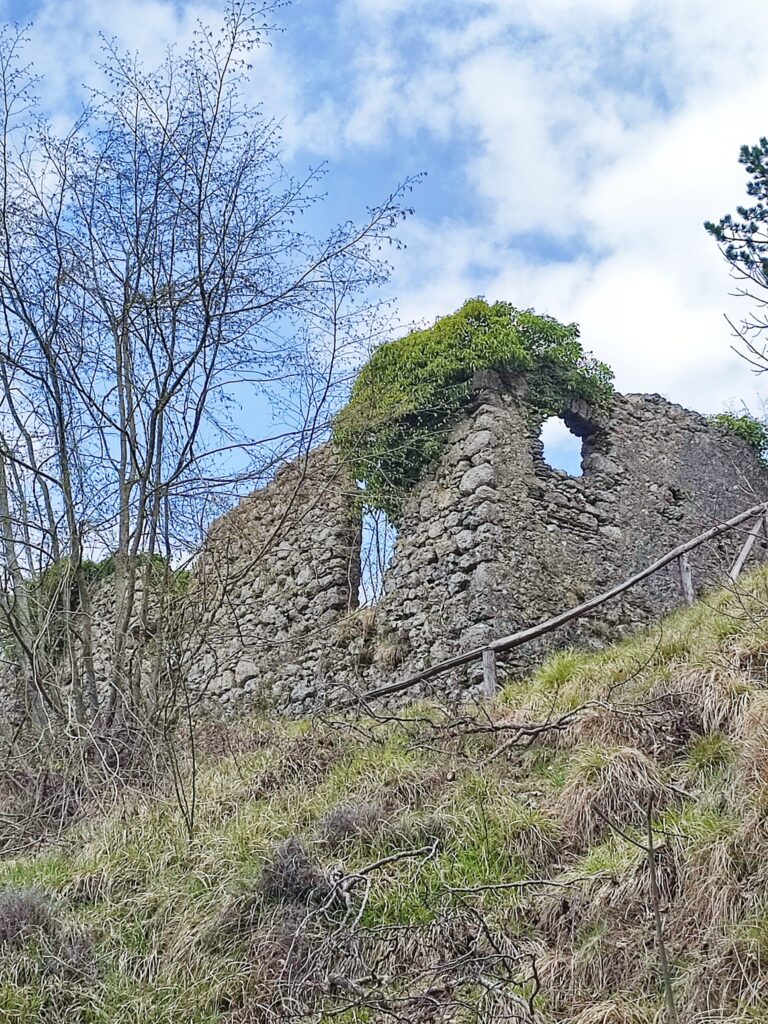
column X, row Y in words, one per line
column 376, row 550
column 562, row 448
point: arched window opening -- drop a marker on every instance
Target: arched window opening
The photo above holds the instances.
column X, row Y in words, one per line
column 376, row 550
column 562, row 448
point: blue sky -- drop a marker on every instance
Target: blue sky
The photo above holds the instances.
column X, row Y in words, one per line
column 573, row 149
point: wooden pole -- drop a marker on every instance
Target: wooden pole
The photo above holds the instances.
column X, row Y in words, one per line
column 686, row 579
column 507, row 643
column 490, row 681
column 666, row 974
column 738, row 565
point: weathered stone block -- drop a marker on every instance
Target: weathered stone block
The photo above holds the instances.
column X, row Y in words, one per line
column 479, row 442
column 477, row 476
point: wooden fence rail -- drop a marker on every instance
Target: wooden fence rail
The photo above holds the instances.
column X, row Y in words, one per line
column 488, row 652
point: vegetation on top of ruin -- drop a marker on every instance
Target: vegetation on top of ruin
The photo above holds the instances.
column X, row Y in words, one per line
column 407, row 395
column 428, row 866
column 749, row 428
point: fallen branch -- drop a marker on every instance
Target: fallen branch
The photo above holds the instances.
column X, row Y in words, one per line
column 532, row 732
column 522, row 884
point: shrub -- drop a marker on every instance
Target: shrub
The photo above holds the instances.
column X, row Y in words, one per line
column 283, row 944
column 24, row 913
column 348, row 821
column 750, row 429
column 290, row 875
column 406, row 397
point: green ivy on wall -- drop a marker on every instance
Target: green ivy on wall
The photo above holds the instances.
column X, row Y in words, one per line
column 407, row 396
column 747, row 427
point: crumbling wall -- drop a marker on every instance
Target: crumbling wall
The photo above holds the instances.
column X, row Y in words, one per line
column 496, row 540
column 492, row 541
column 275, row 575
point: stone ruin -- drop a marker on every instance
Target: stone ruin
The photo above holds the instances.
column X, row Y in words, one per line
column 493, row 540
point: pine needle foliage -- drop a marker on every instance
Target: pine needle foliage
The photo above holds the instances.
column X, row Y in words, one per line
column 408, row 394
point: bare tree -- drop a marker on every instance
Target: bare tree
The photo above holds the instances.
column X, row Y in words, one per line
column 152, row 279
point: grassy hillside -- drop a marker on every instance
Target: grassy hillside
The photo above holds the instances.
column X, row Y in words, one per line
column 490, row 866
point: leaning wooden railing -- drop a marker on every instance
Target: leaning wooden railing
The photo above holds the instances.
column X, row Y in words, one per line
column 488, row 652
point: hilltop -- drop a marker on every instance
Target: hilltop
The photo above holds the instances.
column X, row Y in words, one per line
column 485, row 866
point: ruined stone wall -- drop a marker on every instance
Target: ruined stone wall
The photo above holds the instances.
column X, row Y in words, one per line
column 496, row 540
column 275, row 577
column 491, row 542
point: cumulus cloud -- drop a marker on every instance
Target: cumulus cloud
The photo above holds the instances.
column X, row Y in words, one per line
column 594, row 138
column 574, row 147
column 67, row 38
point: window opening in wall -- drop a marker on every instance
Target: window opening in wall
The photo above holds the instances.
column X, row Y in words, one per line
column 562, row 448
column 376, row 550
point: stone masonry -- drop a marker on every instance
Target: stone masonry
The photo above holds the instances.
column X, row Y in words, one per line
column 491, row 541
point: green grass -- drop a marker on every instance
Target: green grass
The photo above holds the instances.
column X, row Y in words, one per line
column 175, row 924
column 700, row 823
column 751, row 934
column 709, row 755
column 615, row 856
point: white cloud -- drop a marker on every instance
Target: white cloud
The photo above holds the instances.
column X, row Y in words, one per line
column 67, row 39
column 562, row 449
column 607, row 129
column 67, row 45
column 610, row 126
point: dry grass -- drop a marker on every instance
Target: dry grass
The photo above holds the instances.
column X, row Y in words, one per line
column 294, row 902
column 608, row 786
column 751, row 773
column 614, row 1012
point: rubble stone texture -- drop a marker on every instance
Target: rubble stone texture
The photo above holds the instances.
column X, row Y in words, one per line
column 493, row 540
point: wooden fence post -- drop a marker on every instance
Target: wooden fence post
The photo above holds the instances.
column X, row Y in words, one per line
column 738, row 565
column 686, row 578
column 490, row 682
